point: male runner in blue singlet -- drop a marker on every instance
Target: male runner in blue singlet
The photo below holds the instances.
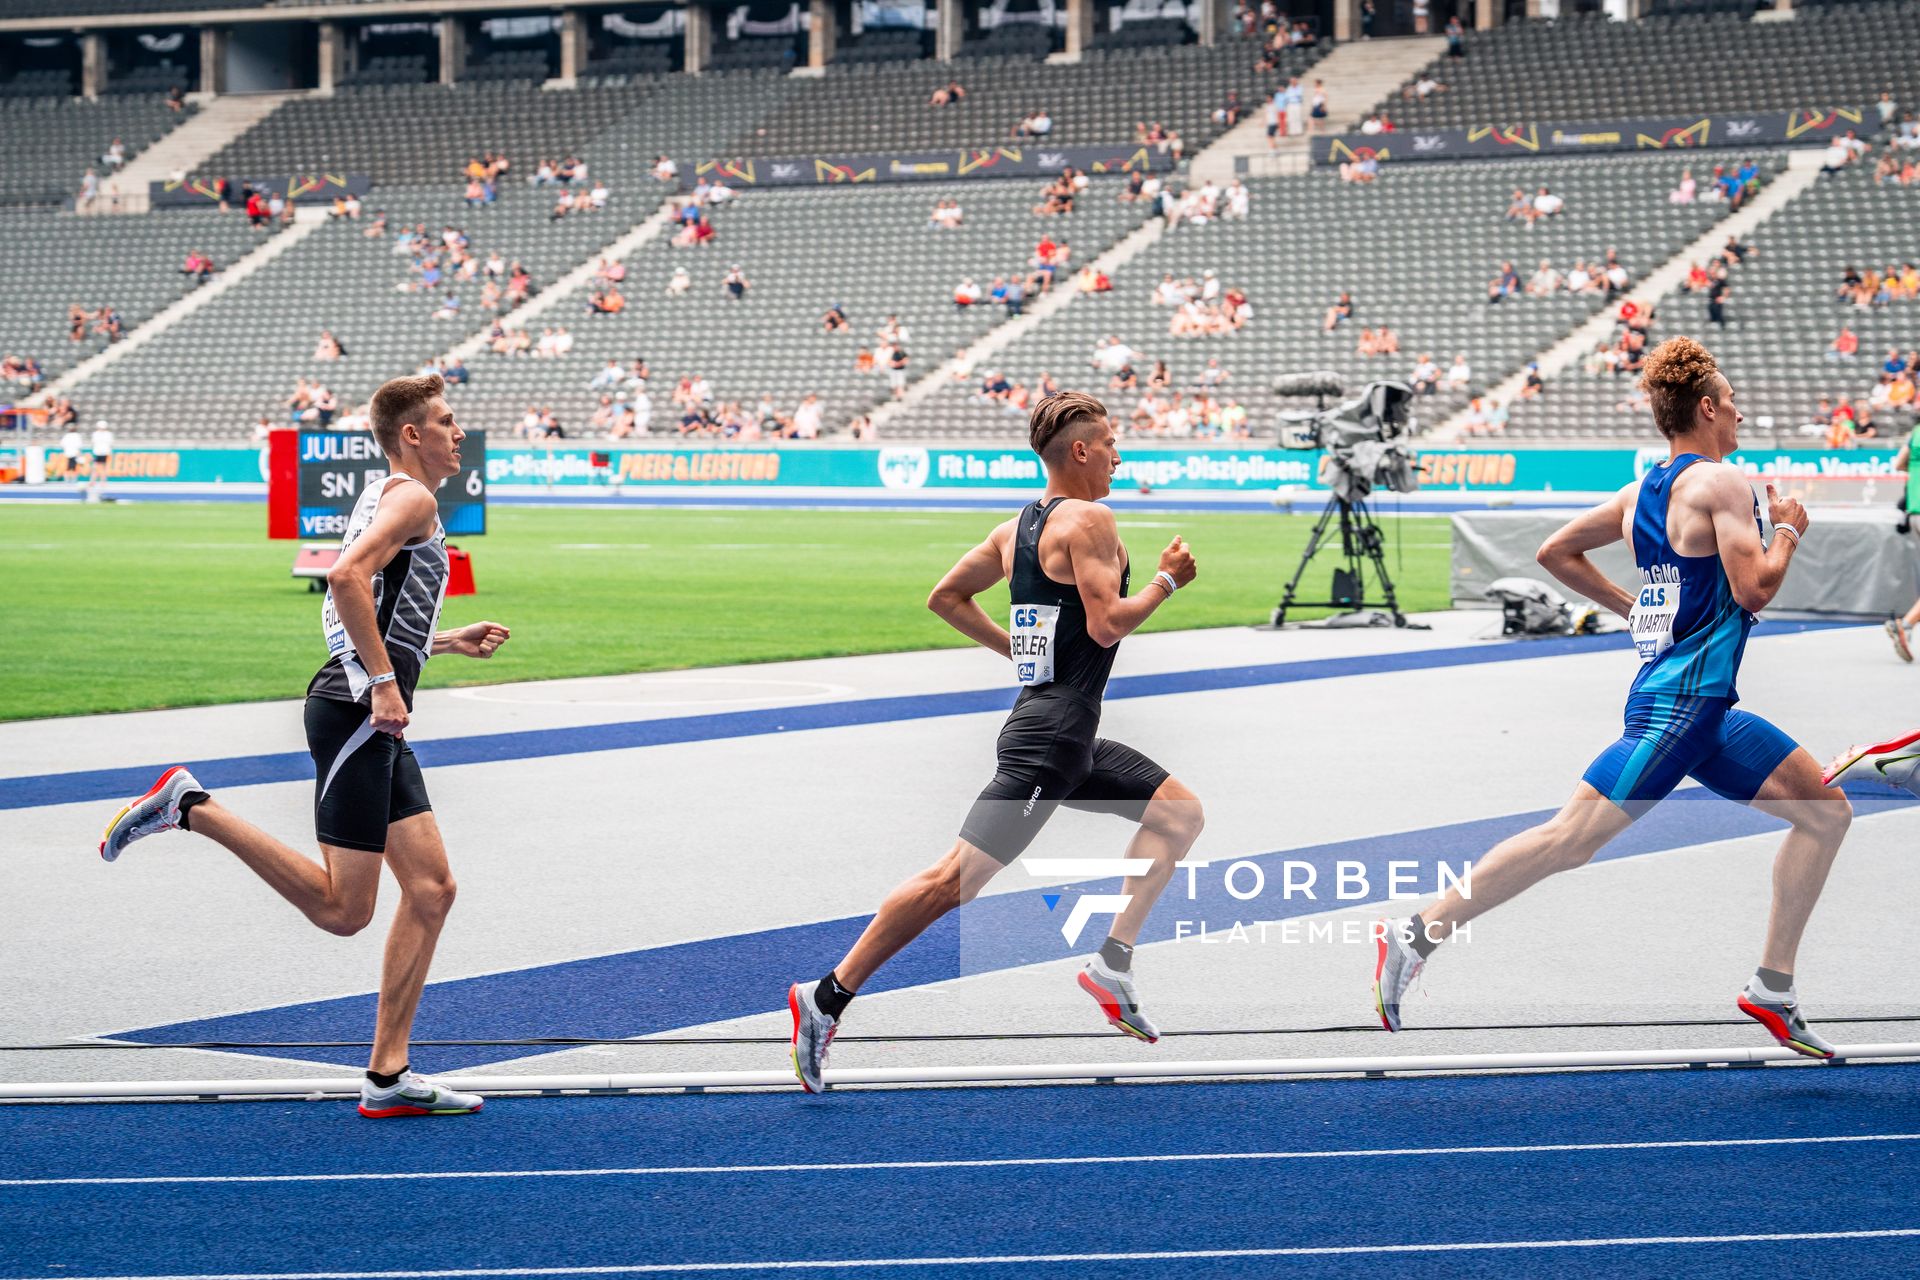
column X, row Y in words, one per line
column 1694, row 527
column 1064, row 561
column 370, row 802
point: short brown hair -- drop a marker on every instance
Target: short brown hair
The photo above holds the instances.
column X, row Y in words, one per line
column 1059, row 415
column 1679, row 372
column 397, row 403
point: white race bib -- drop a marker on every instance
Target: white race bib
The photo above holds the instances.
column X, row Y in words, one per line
column 1654, row 609
column 1034, row 629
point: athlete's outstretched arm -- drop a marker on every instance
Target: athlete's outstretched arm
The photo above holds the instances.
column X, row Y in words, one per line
column 406, row 514
column 1754, row 570
column 1564, row 555
column 1097, row 565
column 978, row 570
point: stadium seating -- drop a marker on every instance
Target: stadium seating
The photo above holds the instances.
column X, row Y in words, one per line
column 1590, row 69
column 50, row 142
column 1783, row 313
column 1097, row 101
column 212, row 375
column 130, row 263
column 803, row 250
column 1416, row 250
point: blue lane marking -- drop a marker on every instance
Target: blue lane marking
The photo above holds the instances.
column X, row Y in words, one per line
column 32, row 791
column 660, row 989
column 162, row 1139
column 240, row 1228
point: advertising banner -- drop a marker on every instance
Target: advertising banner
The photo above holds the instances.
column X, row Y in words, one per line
column 332, row 467
column 1672, row 133
column 1025, row 161
column 301, row 188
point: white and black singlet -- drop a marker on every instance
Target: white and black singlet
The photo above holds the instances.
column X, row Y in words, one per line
column 366, row 781
column 1049, row 751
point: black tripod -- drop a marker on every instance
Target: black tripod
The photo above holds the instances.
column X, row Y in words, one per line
column 1361, row 538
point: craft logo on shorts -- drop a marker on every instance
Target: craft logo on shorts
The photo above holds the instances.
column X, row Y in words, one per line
column 904, row 468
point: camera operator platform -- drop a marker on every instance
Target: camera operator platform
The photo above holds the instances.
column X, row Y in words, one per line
column 1362, row 443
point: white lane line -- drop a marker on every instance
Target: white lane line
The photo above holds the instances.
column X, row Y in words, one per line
column 869, row 1166
column 994, row 1260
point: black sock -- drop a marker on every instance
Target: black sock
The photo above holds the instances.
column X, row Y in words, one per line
column 1423, row 946
column 187, row 802
column 832, row 998
column 384, row 1081
column 1117, row 955
column 1773, row 979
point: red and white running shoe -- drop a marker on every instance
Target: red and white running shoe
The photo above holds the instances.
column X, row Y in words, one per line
column 1895, row 761
column 152, row 813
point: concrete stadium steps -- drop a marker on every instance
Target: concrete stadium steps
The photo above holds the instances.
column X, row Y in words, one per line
column 218, row 123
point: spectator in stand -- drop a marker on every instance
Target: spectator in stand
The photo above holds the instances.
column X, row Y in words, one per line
column 1547, row 204
column 1505, row 283
column 176, row 99
column 897, row 372
column 1229, row 112
column 607, row 301
column 1545, row 281
column 1093, row 280
column 946, row 215
column 679, row 282
column 1717, row 301
column 1459, row 374
column 1015, row 297
column 1362, row 171
column 1342, row 309
column 116, row 157
column 966, row 293
column 736, row 283
column 1456, row 37
column 1425, row 377
column 1844, row 347
column 947, row 95
column 1035, row 125
column 89, row 191
column 834, row 320
column 328, row 349
column 455, row 372
column 1317, row 104
column 1534, row 384
column 1684, row 193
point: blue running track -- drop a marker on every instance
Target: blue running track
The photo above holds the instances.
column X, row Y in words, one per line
column 1461, row 1177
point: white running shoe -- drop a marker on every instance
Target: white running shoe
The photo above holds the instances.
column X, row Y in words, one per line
column 812, row 1034
column 1115, row 994
column 415, row 1095
column 1395, row 967
column 152, row 813
column 1902, row 643
column 1896, row 761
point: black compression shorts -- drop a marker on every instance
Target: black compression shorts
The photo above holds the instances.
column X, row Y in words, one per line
column 1049, row 756
column 364, row 781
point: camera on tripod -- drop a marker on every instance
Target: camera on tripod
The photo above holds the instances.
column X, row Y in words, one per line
column 1363, row 447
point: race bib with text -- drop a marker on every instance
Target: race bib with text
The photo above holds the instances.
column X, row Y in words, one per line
column 1654, row 610
column 1034, row 629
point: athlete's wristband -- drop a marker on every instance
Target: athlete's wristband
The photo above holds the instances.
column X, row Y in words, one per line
column 1165, row 579
column 386, row 678
column 1790, row 531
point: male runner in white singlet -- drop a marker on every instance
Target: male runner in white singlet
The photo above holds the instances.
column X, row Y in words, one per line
column 370, row 802
column 1067, row 568
column 1694, row 527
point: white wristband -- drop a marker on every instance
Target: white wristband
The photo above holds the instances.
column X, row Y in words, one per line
column 1790, row 531
column 1165, row 579
column 387, row 678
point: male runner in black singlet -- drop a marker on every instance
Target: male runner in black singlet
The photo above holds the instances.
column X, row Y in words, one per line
column 370, row 803
column 1068, row 572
